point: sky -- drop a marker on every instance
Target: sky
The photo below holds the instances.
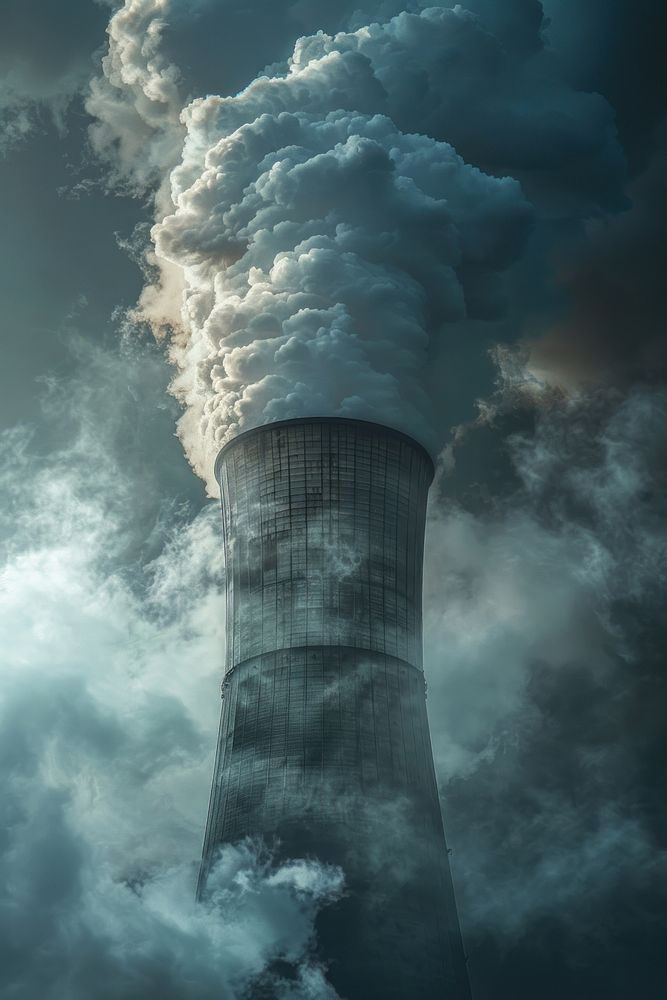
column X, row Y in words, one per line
column 448, row 219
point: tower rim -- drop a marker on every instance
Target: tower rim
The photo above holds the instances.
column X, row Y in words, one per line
column 349, row 421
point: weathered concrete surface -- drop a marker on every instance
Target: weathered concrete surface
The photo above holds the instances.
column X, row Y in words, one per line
column 324, row 739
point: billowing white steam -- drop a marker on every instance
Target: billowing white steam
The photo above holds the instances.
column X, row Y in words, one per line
column 136, row 103
column 323, row 254
column 316, row 253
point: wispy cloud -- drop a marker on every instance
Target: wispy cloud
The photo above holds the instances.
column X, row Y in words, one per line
column 108, row 715
column 538, row 613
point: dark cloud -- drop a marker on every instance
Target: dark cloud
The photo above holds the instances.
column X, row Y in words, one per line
column 46, row 59
column 615, row 48
column 517, row 23
column 614, row 323
column 544, row 652
column 522, row 117
column 606, row 326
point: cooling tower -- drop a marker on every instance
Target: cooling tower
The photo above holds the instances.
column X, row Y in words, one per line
column 324, row 746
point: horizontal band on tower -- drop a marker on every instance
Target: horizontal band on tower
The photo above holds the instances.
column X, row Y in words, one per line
column 369, row 425
column 371, row 655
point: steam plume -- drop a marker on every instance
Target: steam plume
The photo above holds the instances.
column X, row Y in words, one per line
column 321, row 246
column 322, row 251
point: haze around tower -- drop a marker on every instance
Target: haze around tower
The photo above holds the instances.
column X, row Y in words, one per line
column 545, row 580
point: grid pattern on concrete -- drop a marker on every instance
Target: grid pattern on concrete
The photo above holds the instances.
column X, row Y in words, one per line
column 324, row 739
column 323, row 527
column 316, row 725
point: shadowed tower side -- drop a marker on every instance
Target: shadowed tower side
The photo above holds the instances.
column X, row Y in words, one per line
column 324, row 739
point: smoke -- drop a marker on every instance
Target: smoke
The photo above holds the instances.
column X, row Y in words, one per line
column 351, row 233
column 520, row 118
column 613, row 278
column 110, row 655
column 536, row 683
column 322, row 252
column 333, row 238
column 542, row 647
column 136, row 102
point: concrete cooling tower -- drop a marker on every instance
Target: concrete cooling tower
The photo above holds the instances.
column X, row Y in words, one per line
column 324, row 745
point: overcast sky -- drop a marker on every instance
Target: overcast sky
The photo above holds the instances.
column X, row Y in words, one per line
column 447, row 219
